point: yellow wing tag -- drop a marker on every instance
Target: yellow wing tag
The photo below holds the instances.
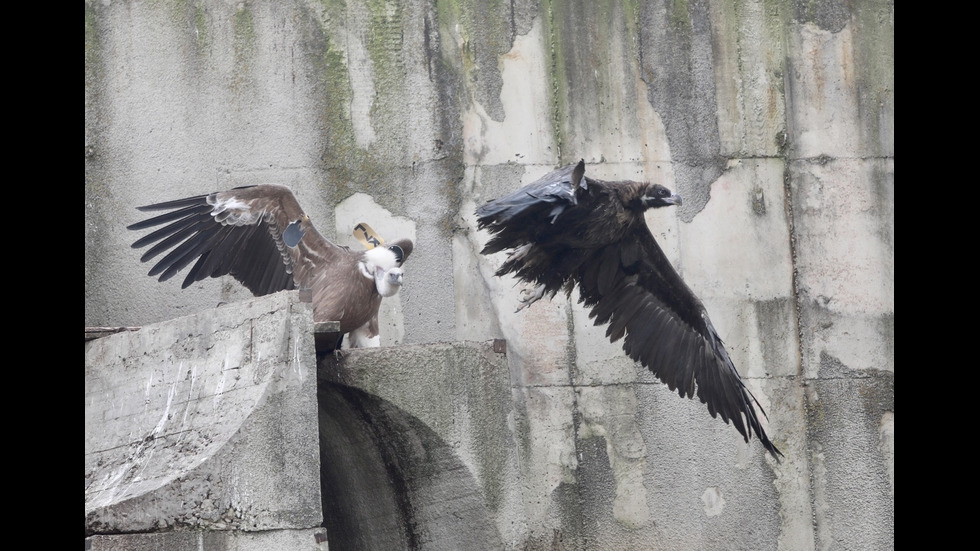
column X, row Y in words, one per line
column 367, row 236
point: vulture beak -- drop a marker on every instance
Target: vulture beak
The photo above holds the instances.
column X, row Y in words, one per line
column 661, row 200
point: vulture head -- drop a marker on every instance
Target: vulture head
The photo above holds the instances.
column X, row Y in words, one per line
column 389, row 282
column 383, row 265
column 656, row 196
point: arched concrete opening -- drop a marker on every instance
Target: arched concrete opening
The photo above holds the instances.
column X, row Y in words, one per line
column 390, row 482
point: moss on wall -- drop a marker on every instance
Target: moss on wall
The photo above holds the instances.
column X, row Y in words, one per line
column 193, row 16
column 244, row 46
column 559, row 81
column 93, row 53
column 586, row 47
column 201, row 26
column 680, row 17
column 874, row 44
column 339, row 136
column 486, row 30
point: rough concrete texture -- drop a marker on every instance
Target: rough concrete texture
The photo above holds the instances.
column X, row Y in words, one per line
column 773, row 119
column 588, row 466
column 205, row 422
column 314, row 539
column 413, row 451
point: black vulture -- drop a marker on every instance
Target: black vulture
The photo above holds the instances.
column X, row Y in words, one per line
column 566, row 229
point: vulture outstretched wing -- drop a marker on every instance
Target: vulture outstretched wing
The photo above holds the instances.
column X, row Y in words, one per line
column 251, row 233
column 567, row 230
column 260, row 236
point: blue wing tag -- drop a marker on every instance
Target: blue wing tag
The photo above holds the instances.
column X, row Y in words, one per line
column 293, row 234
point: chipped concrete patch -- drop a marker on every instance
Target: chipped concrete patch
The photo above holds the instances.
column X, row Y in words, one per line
column 611, row 412
column 714, row 502
column 526, row 127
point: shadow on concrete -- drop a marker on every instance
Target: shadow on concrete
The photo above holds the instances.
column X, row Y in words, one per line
column 390, row 482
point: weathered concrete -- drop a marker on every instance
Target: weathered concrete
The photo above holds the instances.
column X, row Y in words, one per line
column 205, row 422
column 448, row 429
column 314, row 539
column 413, row 455
column 774, row 120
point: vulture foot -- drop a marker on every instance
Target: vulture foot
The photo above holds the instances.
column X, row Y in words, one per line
column 529, row 297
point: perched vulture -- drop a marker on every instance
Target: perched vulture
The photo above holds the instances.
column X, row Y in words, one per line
column 261, row 236
column 566, row 229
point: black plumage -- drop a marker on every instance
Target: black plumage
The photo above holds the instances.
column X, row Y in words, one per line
column 566, row 230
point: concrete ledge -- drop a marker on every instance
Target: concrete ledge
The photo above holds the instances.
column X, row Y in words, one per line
column 414, row 450
column 313, row 539
column 206, row 421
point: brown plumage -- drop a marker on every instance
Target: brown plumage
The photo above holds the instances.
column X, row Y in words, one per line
column 566, row 229
column 260, row 236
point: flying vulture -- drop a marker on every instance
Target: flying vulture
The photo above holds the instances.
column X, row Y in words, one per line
column 261, row 236
column 566, row 229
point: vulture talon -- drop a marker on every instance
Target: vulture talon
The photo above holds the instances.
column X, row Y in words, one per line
column 530, row 296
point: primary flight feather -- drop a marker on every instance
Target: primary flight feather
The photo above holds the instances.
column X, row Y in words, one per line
column 566, row 230
column 260, row 236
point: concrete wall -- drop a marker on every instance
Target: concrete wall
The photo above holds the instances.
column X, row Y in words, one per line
column 774, row 120
column 205, row 423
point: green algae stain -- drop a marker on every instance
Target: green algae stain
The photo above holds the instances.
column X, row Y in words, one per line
column 874, row 45
column 340, row 144
column 350, row 169
column 578, row 35
column 190, row 16
column 680, row 16
column 456, row 27
column 201, row 36
column 557, row 74
column 244, row 29
column 480, row 33
column 385, row 40
column 93, row 48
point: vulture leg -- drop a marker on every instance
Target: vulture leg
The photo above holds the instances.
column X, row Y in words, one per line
column 529, row 297
column 366, row 336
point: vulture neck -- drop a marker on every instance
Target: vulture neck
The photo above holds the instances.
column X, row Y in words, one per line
column 632, row 197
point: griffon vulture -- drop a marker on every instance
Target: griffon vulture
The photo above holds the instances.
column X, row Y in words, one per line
column 261, row 236
column 566, row 229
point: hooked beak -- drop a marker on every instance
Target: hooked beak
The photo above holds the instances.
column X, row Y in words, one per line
column 654, row 201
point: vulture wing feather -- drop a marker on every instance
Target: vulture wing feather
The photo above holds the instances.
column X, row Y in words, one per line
column 236, row 232
column 692, row 355
column 260, row 236
column 566, row 230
